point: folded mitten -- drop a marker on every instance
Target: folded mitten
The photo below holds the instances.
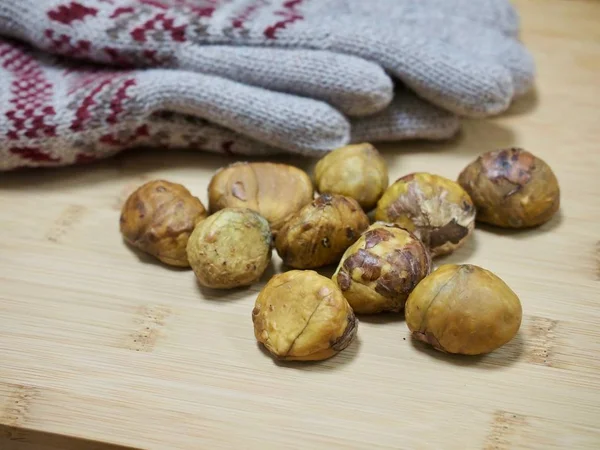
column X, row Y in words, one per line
column 440, row 50
column 56, row 111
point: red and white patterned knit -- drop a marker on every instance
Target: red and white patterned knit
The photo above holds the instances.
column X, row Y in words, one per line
column 426, row 44
column 56, row 113
column 246, row 76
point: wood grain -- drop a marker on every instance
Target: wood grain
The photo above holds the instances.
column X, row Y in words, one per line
column 17, row 405
column 149, row 323
column 509, row 430
column 103, row 348
column 540, row 340
column 68, row 218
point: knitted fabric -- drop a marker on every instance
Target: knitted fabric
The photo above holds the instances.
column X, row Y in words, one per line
column 54, row 112
column 439, row 49
column 407, row 117
column 57, row 112
column 352, row 85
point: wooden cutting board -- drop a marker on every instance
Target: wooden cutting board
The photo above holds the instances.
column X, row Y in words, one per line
column 101, row 347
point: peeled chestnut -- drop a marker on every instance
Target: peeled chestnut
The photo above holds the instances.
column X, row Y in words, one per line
column 158, row 218
column 320, row 232
column 358, row 171
column 463, row 309
column 380, row 269
column 301, row 315
column 511, row 188
column 231, row 248
column 437, row 210
column 274, row 190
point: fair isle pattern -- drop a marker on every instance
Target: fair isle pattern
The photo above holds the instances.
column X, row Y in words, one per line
column 426, row 45
column 56, row 115
column 248, row 76
column 30, row 114
column 59, row 112
column 153, row 22
column 35, row 113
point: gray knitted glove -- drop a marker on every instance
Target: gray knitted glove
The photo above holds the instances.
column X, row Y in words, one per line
column 352, row 85
column 441, row 49
column 486, row 29
column 55, row 113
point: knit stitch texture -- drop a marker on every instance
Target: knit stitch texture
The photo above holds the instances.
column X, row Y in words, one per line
column 247, row 77
column 444, row 53
column 55, row 111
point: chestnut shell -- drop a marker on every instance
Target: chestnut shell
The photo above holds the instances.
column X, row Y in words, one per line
column 158, row 218
column 301, row 315
column 379, row 270
column 437, row 210
column 511, row 188
column 463, row 308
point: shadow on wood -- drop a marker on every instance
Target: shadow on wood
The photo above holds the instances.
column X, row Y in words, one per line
column 524, row 233
column 331, row 364
column 147, row 258
column 232, row 294
column 382, row 318
column 505, row 356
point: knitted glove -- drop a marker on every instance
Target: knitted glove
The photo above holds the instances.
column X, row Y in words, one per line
column 54, row 112
column 351, row 84
column 488, row 29
column 441, row 49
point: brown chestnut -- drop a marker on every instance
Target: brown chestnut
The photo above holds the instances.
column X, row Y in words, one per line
column 158, row 219
column 463, row 309
column 437, row 210
column 380, row 269
column 319, row 233
column 511, row 188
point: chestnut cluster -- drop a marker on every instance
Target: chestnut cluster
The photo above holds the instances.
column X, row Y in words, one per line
column 382, row 265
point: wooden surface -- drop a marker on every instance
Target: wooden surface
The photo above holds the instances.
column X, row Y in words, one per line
column 98, row 343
